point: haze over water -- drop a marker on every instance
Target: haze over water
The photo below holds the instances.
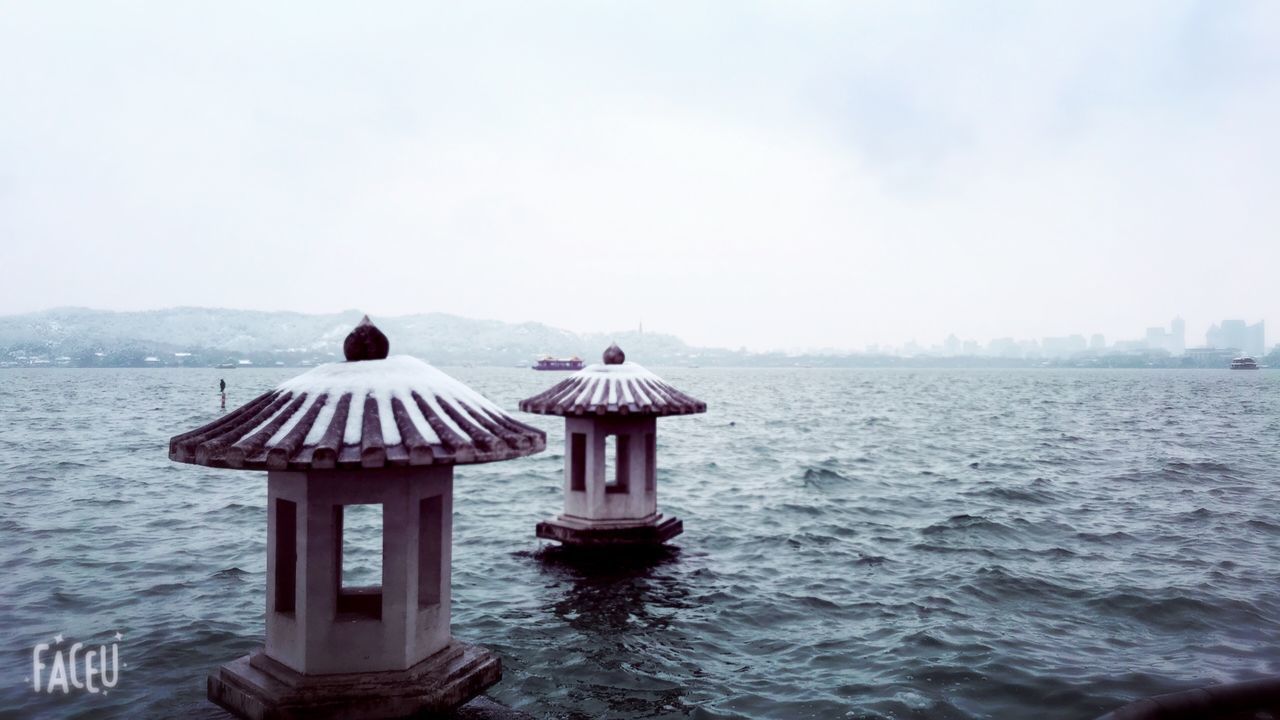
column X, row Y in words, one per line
column 858, row 543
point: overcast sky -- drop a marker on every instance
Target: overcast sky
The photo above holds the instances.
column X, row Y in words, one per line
column 778, row 175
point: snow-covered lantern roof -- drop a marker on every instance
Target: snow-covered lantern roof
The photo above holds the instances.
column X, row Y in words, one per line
column 371, row 411
column 613, row 387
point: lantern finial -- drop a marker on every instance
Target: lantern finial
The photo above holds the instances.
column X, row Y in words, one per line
column 366, row 342
column 613, row 355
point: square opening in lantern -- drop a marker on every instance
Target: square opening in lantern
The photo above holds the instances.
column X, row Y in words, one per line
column 431, row 546
column 617, row 463
column 286, row 560
column 358, row 531
column 578, row 462
column 650, row 462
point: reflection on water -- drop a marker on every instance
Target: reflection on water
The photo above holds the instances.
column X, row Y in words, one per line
column 615, row 595
column 621, row 602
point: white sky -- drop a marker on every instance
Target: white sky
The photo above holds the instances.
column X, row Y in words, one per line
column 776, row 175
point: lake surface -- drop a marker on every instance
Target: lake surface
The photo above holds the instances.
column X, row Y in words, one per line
column 858, row 544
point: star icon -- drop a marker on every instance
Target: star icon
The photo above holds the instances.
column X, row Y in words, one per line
column 57, row 638
column 119, row 637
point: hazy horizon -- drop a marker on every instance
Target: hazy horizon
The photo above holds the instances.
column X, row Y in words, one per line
column 776, row 177
column 925, row 344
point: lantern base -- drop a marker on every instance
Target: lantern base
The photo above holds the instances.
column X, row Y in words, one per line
column 585, row 533
column 256, row 687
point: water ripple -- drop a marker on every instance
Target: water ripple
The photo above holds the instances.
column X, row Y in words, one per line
column 858, row 544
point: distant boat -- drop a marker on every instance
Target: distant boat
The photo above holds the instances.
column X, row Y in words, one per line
column 550, row 363
column 226, row 365
column 1244, row 363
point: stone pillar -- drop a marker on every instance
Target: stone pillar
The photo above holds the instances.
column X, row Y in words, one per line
column 620, row 400
column 618, row 494
column 610, row 503
column 316, row 626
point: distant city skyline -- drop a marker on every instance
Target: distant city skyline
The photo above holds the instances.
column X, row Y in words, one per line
column 1227, row 334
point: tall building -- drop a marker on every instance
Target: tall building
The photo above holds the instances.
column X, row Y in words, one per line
column 1238, row 335
column 1173, row 340
column 1098, row 342
column 1178, row 336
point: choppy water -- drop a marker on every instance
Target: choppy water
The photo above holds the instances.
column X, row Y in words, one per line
column 861, row 544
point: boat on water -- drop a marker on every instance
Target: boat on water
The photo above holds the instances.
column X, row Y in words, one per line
column 226, row 365
column 552, row 363
column 1244, row 363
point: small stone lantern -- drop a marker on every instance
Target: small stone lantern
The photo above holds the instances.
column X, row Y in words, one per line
column 610, row 462
column 377, row 430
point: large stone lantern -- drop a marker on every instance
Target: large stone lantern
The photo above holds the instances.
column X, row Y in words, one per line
column 374, row 430
column 610, row 412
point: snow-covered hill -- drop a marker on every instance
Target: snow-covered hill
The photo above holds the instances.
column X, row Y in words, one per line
column 81, row 336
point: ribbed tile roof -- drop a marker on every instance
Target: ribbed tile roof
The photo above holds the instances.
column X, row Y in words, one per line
column 362, row 413
column 613, row 387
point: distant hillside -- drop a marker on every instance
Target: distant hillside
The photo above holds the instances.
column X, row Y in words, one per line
column 206, row 336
